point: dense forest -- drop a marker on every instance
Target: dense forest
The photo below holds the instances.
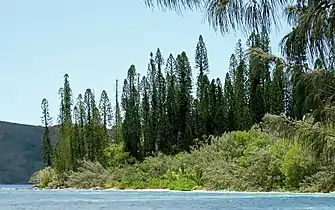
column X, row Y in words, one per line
column 159, row 113
column 268, row 126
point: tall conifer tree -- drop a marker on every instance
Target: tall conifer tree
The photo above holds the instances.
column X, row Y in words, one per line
column 80, row 120
column 277, row 90
column 162, row 140
column 230, row 103
column 203, row 85
column 132, row 123
column 118, row 117
column 241, row 112
column 172, row 104
column 89, row 101
column 145, row 115
column 46, row 145
column 220, row 115
column 64, row 156
column 184, row 78
column 154, row 110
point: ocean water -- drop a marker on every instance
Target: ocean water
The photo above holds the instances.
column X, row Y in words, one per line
column 24, row 197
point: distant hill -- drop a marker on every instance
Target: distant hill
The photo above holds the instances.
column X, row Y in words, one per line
column 20, row 151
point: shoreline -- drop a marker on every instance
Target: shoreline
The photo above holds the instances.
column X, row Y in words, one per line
column 183, row 191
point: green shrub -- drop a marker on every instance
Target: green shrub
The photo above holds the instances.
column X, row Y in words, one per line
column 322, row 181
column 45, row 178
column 131, row 172
column 295, row 166
column 182, row 184
column 117, row 157
column 89, row 174
column 157, row 183
column 153, row 167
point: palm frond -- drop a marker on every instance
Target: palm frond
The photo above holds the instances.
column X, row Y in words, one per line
column 231, row 15
column 224, row 15
column 246, row 15
column 177, row 5
column 314, row 22
column 291, row 13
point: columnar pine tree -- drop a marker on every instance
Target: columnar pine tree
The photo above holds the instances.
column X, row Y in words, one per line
column 212, row 107
column 100, row 138
column 265, row 46
column 105, row 111
column 46, row 145
column 230, row 103
column 184, row 78
column 132, row 123
column 256, row 79
column 277, row 90
column 201, row 58
column 297, row 57
column 58, row 159
column 241, row 112
column 220, row 115
column 145, row 116
column 64, row 148
column 203, row 124
column 77, row 147
column 232, row 66
column 298, row 92
column 80, row 120
column 89, row 101
column 259, row 78
column 162, row 140
column 152, row 147
column 172, row 108
column 118, row 117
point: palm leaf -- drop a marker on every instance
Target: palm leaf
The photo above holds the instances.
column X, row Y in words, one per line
column 231, row 15
column 177, row 5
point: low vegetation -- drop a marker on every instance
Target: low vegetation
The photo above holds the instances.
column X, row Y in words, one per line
column 268, row 160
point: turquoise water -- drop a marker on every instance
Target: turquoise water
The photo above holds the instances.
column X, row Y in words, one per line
column 23, row 197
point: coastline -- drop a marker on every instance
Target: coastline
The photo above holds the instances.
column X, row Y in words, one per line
column 188, row 191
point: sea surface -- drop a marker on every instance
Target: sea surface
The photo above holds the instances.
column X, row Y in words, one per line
column 24, row 197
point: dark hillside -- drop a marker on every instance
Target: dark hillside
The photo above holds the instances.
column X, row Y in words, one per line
column 20, row 151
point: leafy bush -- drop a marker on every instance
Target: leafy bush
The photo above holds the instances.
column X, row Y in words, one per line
column 89, row 174
column 182, row 184
column 156, row 183
column 116, row 157
column 294, row 166
column 322, row 181
column 45, row 178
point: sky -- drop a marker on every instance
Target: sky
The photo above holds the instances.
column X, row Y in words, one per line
column 94, row 42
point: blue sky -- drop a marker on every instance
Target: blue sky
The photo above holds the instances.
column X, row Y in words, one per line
column 95, row 42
